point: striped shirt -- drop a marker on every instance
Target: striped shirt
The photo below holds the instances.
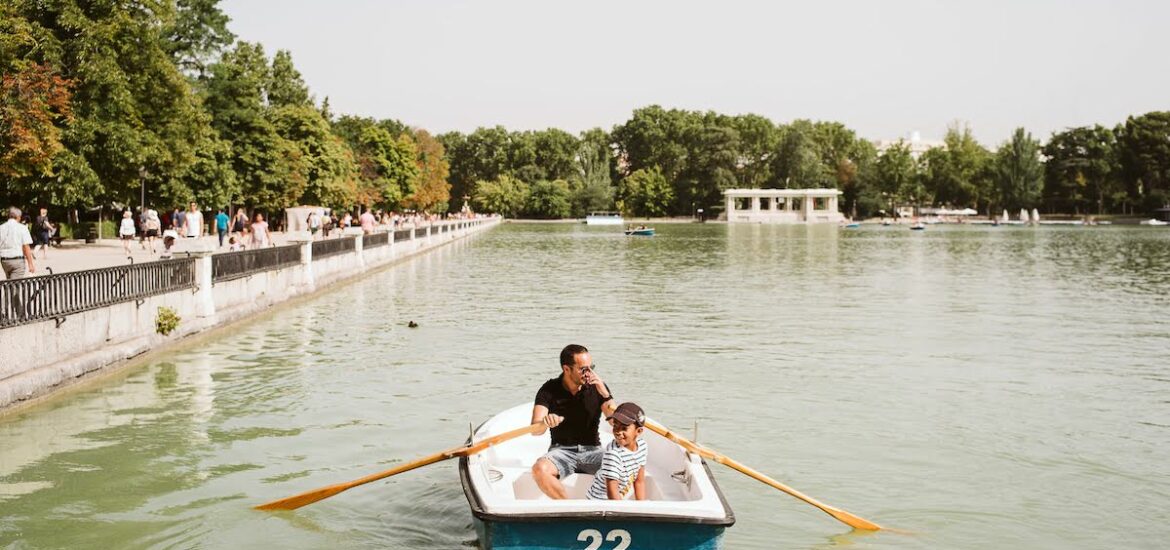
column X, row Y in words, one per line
column 619, row 464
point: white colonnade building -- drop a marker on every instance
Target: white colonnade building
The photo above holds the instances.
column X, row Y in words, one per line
column 782, row 206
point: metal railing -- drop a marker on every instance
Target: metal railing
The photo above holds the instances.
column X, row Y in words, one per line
column 333, row 247
column 32, row 299
column 234, row 265
column 402, row 235
column 377, row 239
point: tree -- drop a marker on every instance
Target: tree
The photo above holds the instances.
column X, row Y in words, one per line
column 505, row 195
column 953, row 175
column 197, row 34
column 482, row 155
column 1144, row 143
column 1019, row 172
column 432, row 193
column 895, row 176
column 269, row 168
column 1082, row 172
column 285, row 87
column 652, row 137
column 592, row 183
column 34, row 100
column 712, row 148
column 325, row 161
column 758, row 141
column 645, row 193
column 548, row 200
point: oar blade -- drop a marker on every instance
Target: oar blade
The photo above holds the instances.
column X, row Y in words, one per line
column 852, row 520
column 303, row 499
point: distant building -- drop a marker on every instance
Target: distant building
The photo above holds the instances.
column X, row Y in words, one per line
column 918, row 146
column 782, row 206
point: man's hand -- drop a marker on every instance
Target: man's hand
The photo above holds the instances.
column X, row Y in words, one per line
column 553, row 420
column 592, row 379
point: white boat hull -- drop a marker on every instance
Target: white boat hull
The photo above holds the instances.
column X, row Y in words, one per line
column 684, row 507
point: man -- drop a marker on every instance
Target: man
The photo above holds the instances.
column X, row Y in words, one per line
column 194, row 222
column 571, row 404
column 221, row 225
column 16, row 254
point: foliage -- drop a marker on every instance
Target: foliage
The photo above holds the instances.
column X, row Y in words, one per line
column 166, row 321
column 1144, row 144
column 1019, row 172
column 1082, row 173
column 505, row 195
column 432, row 193
column 895, row 175
column 549, row 200
column 32, row 100
column 955, row 175
column 645, row 193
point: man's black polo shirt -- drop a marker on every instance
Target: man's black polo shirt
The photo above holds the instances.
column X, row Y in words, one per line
column 582, row 412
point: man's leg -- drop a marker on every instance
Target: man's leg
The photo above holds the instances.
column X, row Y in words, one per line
column 546, row 475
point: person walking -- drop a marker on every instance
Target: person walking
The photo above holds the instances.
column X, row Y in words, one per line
column 179, row 222
column 367, row 220
column 152, row 227
column 239, row 224
column 260, row 236
column 314, row 223
column 44, row 229
column 194, row 222
column 126, row 230
column 221, row 225
column 16, row 255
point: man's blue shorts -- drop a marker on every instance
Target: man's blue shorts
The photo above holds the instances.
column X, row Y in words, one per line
column 571, row 459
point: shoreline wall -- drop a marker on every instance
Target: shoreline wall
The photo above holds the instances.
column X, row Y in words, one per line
column 41, row 357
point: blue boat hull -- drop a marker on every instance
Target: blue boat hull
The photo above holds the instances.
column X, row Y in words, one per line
column 602, row 534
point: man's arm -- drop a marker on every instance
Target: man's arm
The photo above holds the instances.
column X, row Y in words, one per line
column 28, row 257
column 540, row 414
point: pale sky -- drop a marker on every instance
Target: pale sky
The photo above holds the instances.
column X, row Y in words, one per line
column 883, row 67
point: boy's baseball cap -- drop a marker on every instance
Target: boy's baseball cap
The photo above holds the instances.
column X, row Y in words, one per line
column 629, row 413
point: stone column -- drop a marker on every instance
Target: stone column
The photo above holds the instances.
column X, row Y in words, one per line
column 808, row 207
column 356, row 233
column 729, row 206
column 308, row 280
column 204, row 299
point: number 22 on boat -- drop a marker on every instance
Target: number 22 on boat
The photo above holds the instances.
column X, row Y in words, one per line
column 621, row 536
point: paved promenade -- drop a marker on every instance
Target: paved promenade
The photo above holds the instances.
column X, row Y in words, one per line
column 76, row 255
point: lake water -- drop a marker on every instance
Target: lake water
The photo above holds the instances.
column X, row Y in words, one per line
column 975, row 387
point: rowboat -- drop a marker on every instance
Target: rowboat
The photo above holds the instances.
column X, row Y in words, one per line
column 643, row 231
column 918, row 226
column 684, row 510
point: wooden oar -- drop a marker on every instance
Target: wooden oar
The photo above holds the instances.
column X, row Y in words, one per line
column 841, row 515
column 296, row 501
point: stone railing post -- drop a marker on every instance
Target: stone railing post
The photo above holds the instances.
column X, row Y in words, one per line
column 357, row 234
column 305, row 241
column 204, row 299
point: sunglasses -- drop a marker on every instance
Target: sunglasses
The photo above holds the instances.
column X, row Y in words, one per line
column 585, row 368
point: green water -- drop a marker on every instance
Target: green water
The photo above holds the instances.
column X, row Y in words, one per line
column 978, row 387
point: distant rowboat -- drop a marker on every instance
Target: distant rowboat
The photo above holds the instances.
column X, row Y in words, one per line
column 684, row 508
column 643, row 231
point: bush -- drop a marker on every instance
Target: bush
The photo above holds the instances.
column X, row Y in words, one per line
column 166, row 321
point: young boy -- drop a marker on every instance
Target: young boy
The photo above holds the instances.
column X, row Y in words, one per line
column 623, row 466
